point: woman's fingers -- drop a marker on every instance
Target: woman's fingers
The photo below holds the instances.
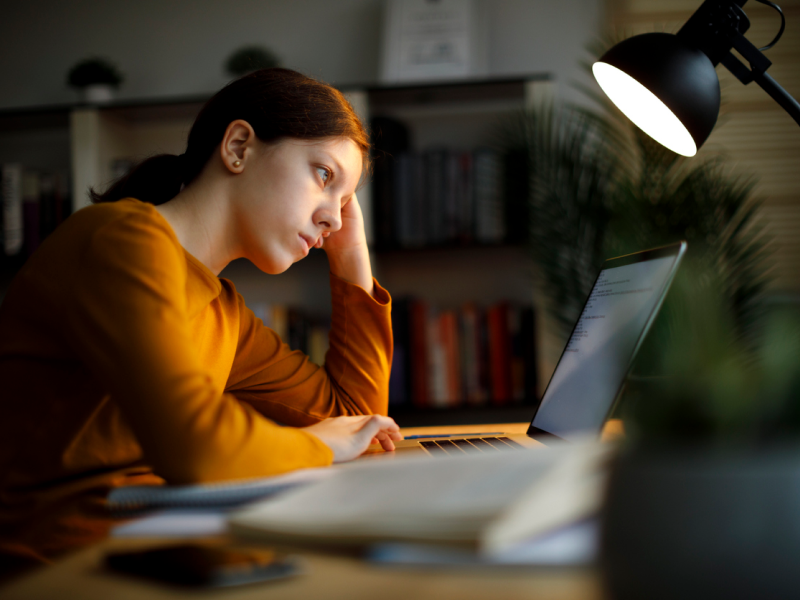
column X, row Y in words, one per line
column 384, row 429
column 349, row 437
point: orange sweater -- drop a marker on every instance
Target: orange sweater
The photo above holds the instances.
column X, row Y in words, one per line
column 124, row 360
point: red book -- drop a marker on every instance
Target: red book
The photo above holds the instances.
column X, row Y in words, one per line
column 452, row 359
column 418, row 333
column 499, row 353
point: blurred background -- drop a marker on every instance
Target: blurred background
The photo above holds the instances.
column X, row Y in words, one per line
column 458, row 237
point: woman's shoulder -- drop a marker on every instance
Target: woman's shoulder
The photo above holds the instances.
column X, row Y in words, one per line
column 121, row 218
column 108, row 212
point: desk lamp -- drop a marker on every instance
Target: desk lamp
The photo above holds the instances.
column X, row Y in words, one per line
column 666, row 84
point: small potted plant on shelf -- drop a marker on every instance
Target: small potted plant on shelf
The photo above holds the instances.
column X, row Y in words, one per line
column 97, row 79
column 250, row 58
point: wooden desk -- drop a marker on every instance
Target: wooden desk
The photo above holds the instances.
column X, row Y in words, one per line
column 326, row 575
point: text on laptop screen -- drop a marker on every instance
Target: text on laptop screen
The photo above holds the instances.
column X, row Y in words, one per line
column 596, row 359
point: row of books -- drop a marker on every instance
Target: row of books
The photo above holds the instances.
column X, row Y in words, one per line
column 468, row 357
column 34, row 203
column 299, row 329
column 445, row 197
column 441, row 197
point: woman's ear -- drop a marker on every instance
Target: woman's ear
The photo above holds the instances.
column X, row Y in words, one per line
column 238, row 145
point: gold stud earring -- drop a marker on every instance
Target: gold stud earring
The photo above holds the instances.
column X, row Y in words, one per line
column 237, row 163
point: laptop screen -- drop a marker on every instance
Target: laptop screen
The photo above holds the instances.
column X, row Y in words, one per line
column 595, row 362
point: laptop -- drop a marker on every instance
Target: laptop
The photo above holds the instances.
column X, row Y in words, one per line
column 589, row 376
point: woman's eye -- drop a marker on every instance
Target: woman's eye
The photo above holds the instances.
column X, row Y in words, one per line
column 324, row 174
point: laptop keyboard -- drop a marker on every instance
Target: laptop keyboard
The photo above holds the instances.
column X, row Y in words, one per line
column 469, row 445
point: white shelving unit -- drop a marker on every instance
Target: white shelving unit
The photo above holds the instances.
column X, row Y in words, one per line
column 89, row 139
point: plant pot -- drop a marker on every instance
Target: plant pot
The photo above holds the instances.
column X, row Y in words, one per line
column 702, row 523
column 98, row 93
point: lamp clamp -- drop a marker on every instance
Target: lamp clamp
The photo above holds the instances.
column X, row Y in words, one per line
column 716, row 28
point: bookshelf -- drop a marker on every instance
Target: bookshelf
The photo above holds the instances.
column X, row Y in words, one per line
column 94, row 142
column 38, row 138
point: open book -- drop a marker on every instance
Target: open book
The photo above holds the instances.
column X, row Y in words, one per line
column 491, row 501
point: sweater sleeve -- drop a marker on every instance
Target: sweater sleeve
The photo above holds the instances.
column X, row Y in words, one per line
column 127, row 321
column 286, row 386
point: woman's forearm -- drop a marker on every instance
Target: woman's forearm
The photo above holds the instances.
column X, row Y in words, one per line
column 353, row 265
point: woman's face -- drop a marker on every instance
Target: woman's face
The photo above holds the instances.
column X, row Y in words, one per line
column 290, row 194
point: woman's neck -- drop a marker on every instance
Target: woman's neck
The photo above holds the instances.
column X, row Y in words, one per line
column 200, row 218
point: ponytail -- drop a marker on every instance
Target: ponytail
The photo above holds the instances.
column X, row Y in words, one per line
column 278, row 103
column 155, row 180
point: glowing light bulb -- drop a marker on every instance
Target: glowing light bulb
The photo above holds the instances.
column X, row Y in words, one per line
column 646, row 111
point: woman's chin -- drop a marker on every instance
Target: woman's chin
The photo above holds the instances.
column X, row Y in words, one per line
column 274, row 267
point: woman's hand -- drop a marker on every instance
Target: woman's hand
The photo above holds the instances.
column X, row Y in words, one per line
column 347, row 250
column 348, row 437
column 351, row 236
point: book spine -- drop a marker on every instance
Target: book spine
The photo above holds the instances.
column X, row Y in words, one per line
column 474, row 356
column 435, row 196
column 318, row 342
column 465, row 198
column 279, row 321
column 418, row 204
column 528, row 327
column 399, row 381
column 402, row 199
column 31, row 211
column 48, row 220
column 298, row 330
column 12, row 208
column 489, row 214
column 499, row 355
column 452, row 208
column 517, row 361
column 62, row 201
column 437, row 380
column 418, row 331
column 516, row 182
column 452, row 358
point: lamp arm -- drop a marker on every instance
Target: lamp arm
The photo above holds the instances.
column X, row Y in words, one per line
column 758, row 73
column 780, row 95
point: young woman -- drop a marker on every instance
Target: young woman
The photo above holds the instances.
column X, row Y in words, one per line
column 125, row 360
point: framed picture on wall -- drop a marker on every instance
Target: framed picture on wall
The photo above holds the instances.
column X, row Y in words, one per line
column 433, row 40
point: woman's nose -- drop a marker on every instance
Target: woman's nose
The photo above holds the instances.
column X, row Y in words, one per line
column 331, row 219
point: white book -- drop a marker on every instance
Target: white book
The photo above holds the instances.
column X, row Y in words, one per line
column 12, row 208
column 490, row 501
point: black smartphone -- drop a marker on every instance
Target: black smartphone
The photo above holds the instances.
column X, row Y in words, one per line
column 204, row 564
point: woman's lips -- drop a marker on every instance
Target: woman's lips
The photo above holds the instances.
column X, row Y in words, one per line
column 306, row 245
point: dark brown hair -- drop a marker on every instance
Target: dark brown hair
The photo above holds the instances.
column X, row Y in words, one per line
column 278, row 103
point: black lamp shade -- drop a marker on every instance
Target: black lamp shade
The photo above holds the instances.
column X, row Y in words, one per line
column 680, row 76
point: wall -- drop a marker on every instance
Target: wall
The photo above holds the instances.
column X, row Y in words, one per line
column 177, row 47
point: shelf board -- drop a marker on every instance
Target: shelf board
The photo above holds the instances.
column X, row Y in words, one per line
column 453, row 248
column 452, row 92
column 472, row 415
column 463, row 92
column 55, row 117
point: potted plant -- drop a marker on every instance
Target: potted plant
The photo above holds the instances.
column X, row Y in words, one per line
column 248, row 59
column 97, row 79
column 702, row 498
